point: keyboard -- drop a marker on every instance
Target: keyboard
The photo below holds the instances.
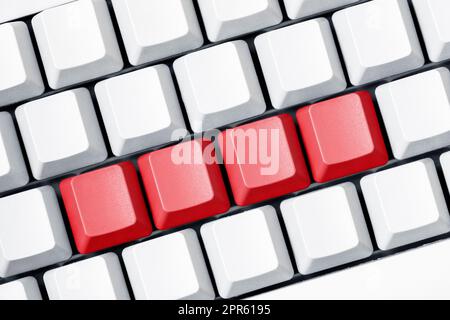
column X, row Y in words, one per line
column 224, row 149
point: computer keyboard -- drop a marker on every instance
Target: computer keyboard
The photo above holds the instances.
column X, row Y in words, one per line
column 208, row 149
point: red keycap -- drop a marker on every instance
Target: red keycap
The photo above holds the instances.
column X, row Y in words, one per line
column 105, row 207
column 264, row 160
column 342, row 136
column 184, row 184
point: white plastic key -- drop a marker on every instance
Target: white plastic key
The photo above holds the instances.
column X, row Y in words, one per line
column 77, row 42
column 32, row 232
column 228, row 18
column 169, row 268
column 326, row 228
column 22, row 289
column 140, row 110
column 14, row 9
column 302, row 8
column 219, row 86
column 406, row 204
column 445, row 164
column 61, row 133
column 153, row 30
column 98, row 278
column 435, row 26
column 300, row 63
column 20, row 77
column 247, row 252
column 378, row 40
column 13, row 172
column 416, row 112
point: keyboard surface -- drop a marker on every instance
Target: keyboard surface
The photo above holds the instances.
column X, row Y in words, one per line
column 216, row 149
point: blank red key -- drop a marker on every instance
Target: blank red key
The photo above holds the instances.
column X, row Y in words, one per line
column 105, row 207
column 342, row 136
column 264, row 160
column 183, row 183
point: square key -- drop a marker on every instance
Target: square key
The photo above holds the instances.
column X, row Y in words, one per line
column 219, row 86
column 105, row 207
column 302, row 8
column 61, row 133
column 22, row 289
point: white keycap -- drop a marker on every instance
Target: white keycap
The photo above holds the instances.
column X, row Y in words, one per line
column 140, row 110
column 445, row 163
column 20, row 77
column 13, row 9
column 153, row 30
column 326, row 228
column 416, row 274
column 435, row 26
column 13, row 172
column 98, row 278
column 300, row 63
column 219, row 86
column 416, row 112
column 406, row 204
column 22, row 289
column 32, row 232
column 61, row 133
column 247, row 251
column 169, row 268
column 229, row 18
column 302, row 8
column 77, row 42
column 378, row 40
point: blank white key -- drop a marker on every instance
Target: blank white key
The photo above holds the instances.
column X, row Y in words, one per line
column 435, row 26
column 326, row 228
column 20, row 77
column 420, row 273
column 445, row 163
column 77, row 42
column 22, row 289
column 98, row 278
column 300, row 63
column 247, row 251
column 61, row 133
column 378, row 40
column 228, row 18
column 302, row 8
column 13, row 9
column 416, row 112
column 32, row 232
column 13, row 172
column 169, row 268
column 153, row 30
column 140, row 110
column 406, row 204
column 219, row 86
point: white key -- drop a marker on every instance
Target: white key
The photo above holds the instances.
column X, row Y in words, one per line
column 435, row 26
column 247, row 251
column 219, row 86
column 302, row 8
column 378, row 40
column 61, row 133
column 20, row 77
column 140, row 110
column 32, row 232
column 420, row 273
column 300, row 63
column 445, row 163
column 13, row 9
column 406, row 204
column 229, row 18
column 98, row 278
column 416, row 112
column 153, row 30
column 326, row 228
column 169, row 268
column 13, row 172
column 77, row 42
column 22, row 289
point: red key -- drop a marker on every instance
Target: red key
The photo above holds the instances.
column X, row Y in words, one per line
column 105, row 207
column 184, row 184
column 264, row 160
column 342, row 136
